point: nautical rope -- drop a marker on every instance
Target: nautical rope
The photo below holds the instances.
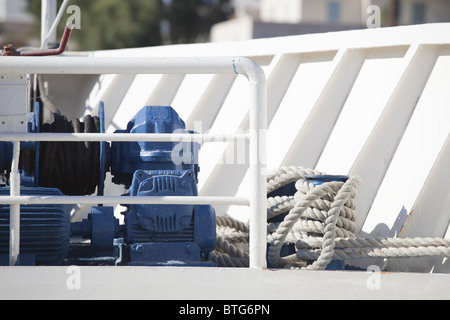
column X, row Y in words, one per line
column 320, row 221
column 343, row 193
column 232, row 243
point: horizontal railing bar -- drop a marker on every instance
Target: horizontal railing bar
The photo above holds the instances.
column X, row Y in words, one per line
column 169, row 137
column 120, row 65
column 257, row 135
column 192, row 200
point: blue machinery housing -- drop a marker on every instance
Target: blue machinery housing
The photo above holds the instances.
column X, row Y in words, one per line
column 151, row 234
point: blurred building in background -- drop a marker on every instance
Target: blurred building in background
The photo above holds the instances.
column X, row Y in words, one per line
column 269, row 18
column 317, row 12
column 407, row 12
column 15, row 21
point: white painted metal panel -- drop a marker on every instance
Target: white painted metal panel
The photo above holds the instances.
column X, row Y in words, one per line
column 416, row 155
column 366, row 100
column 14, row 96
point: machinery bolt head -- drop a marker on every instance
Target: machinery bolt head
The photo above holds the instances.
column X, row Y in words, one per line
column 138, row 248
column 189, row 248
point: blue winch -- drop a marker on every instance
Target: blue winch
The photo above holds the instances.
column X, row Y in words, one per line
column 151, row 234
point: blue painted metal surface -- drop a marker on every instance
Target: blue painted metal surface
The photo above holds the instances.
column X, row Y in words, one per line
column 29, row 170
column 318, row 180
column 176, row 226
column 161, row 218
column 158, row 234
column 127, row 158
column 105, row 151
column 101, row 227
column 174, row 254
column 44, row 230
column 152, row 234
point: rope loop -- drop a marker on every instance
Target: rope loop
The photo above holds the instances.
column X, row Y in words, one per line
column 320, row 221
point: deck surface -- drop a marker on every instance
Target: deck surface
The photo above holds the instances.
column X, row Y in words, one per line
column 215, row 284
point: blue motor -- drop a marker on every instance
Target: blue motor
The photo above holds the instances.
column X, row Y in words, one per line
column 44, row 230
column 163, row 234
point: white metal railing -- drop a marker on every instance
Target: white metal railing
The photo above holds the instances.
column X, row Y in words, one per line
column 85, row 65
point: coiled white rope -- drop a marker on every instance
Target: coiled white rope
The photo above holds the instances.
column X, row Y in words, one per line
column 320, row 222
column 232, row 243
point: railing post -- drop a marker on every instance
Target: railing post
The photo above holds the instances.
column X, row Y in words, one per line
column 48, row 15
column 14, row 211
column 258, row 158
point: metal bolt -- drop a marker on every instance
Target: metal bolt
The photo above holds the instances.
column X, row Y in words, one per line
column 138, row 248
column 189, row 248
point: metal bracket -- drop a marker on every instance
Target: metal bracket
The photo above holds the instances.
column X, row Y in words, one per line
column 14, row 102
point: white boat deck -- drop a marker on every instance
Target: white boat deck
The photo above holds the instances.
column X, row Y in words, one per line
column 229, row 284
column 373, row 103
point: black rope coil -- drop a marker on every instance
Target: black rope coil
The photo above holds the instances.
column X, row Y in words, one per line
column 72, row 167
